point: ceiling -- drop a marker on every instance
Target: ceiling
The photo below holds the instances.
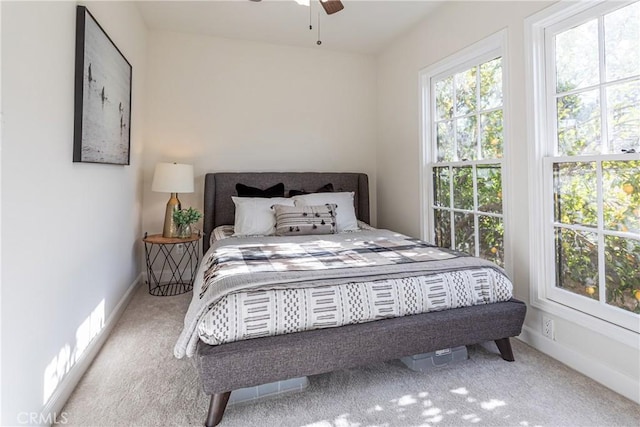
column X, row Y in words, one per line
column 363, row 26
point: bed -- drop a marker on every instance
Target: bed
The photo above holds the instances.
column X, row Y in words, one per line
column 250, row 362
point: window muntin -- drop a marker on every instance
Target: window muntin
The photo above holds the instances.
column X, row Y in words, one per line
column 594, row 106
column 596, row 73
column 596, row 230
column 467, row 127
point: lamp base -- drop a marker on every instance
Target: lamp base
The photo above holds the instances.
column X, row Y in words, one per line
column 170, row 228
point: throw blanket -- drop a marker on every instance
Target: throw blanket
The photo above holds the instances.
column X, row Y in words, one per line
column 238, row 265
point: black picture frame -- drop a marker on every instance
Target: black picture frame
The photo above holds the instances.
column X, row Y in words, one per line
column 102, row 111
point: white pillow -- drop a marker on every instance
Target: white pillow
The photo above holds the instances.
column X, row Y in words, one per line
column 254, row 216
column 345, row 211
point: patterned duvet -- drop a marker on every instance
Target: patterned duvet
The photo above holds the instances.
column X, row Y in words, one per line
column 275, row 310
column 256, row 314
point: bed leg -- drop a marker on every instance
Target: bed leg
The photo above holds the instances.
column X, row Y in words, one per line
column 216, row 408
column 504, row 345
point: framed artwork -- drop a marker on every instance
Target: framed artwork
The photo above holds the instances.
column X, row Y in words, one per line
column 102, row 116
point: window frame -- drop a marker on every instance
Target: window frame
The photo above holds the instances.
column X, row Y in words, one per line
column 539, row 32
column 485, row 50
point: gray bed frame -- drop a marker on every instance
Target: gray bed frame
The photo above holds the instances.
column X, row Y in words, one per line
column 240, row 364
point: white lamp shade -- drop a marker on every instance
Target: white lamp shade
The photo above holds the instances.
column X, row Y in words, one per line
column 173, row 178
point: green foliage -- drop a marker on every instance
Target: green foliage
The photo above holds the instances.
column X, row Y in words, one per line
column 491, row 135
column 491, row 239
column 489, row 181
column 577, row 261
column 622, row 270
column 467, row 131
column 577, row 252
column 621, row 186
column 186, row 216
column 466, row 98
column 464, row 232
column 441, row 190
column 575, row 199
column 468, row 111
column 469, row 125
column 609, row 246
column 464, row 119
column 579, row 123
column 463, row 188
column 443, row 228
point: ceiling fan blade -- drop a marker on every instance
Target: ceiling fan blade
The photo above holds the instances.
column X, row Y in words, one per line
column 331, row 6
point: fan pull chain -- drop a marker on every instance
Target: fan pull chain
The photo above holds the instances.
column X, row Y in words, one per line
column 310, row 17
column 319, row 42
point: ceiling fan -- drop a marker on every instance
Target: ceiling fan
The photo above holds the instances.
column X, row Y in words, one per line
column 330, row 6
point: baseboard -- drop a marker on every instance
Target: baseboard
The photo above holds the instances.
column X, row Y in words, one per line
column 53, row 408
column 592, row 368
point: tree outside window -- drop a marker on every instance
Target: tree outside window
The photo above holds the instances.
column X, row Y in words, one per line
column 467, row 128
column 594, row 162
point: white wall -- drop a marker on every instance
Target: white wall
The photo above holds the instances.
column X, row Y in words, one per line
column 70, row 235
column 70, row 241
column 450, row 28
column 230, row 105
column 1, row 133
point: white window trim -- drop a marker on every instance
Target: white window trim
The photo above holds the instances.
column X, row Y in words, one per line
column 494, row 45
column 537, row 131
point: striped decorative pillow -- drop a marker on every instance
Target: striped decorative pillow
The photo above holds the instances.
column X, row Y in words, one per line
column 300, row 220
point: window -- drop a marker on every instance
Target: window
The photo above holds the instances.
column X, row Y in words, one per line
column 463, row 143
column 588, row 91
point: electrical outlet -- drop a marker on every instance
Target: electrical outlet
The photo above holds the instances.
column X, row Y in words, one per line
column 179, row 249
column 547, row 328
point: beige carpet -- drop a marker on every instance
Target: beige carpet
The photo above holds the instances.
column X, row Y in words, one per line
column 135, row 380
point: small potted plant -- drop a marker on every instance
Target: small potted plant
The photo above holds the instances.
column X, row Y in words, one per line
column 183, row 219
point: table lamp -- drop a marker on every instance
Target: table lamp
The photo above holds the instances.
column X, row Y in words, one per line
column 172, row 178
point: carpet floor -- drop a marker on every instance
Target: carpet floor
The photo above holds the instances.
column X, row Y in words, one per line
column 135, row 380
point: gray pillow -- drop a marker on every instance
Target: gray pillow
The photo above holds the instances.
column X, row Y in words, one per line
column 301, row 220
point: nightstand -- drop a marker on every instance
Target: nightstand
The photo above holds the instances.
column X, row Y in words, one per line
column 171, row 263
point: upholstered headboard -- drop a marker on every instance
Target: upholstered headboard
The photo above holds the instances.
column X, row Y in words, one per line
column 219, row 187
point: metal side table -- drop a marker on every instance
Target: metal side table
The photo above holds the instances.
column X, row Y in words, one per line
column 171, row 263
